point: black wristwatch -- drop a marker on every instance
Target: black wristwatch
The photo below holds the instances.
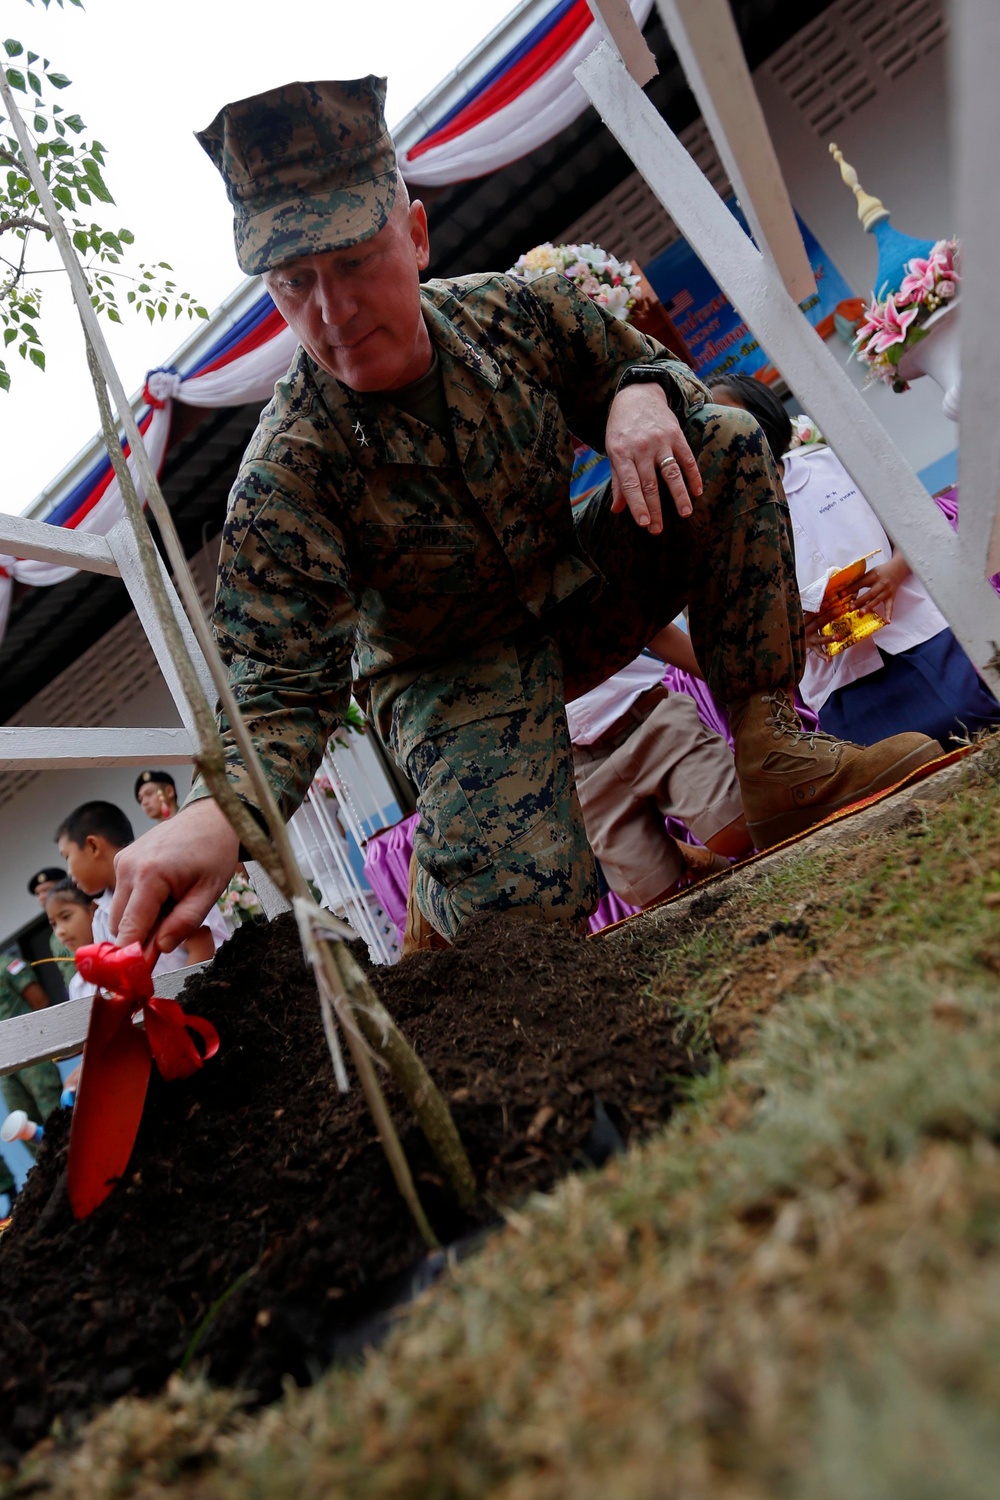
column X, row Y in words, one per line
column 654, row 374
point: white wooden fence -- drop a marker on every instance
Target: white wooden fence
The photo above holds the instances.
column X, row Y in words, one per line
column 346, row 803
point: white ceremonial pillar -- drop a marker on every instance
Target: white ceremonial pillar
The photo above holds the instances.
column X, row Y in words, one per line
column 705, row 38
column 619, row 25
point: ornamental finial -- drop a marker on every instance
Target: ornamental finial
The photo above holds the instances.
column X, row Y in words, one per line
column 871, row 211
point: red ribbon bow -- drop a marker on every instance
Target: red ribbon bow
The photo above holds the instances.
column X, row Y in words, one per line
column 127, row 974
column 116, row 1065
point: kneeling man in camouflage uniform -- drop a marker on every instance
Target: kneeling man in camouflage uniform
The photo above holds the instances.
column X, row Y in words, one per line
column 402, row 521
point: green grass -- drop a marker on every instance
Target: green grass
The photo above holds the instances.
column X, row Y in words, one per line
column 792, row 1291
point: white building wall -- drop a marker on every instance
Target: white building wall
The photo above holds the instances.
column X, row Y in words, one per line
column 32, row 804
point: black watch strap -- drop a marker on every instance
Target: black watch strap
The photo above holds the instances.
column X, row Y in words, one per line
column 648, row 375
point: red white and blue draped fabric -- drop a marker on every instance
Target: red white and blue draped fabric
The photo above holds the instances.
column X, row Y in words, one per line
column 241, row 366
column 525, row 100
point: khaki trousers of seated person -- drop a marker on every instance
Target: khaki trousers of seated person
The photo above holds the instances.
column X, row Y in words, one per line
column 658, row 760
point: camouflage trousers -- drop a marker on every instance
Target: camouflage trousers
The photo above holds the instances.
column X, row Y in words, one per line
column 500, row 823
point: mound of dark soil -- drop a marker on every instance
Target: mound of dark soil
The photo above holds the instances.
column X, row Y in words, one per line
column 257, row 1182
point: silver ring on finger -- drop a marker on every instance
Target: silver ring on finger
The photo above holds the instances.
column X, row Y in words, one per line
column 670, row 467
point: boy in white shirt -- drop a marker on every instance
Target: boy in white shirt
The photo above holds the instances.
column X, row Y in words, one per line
column 88, row 841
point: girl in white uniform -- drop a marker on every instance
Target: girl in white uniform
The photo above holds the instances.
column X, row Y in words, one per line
column 910, row 675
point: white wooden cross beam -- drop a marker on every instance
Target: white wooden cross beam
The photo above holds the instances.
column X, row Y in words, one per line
column 753, row 285
column 61, row 748
column 21, row 537
column 616, row 20
column 61, row 1030
column 70, row 749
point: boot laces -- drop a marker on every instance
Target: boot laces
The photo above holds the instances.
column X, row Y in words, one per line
column 785, row 721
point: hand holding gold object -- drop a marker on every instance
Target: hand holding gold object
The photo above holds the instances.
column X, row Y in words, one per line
column 848, row 625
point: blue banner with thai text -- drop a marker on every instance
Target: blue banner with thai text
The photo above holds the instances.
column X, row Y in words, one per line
column 719, row 340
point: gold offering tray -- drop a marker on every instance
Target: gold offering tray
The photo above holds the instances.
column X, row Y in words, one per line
column 850, row 625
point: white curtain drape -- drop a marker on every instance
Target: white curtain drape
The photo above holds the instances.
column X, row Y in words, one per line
column 534, row 117
column 249, row 377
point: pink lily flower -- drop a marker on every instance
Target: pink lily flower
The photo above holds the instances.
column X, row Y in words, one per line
column 896, row 321
column 924, row 273
column 920, row 280
column 943, row 255
column 874, row 323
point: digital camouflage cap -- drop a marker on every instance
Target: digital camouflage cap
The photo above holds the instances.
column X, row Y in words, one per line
column 308, row 167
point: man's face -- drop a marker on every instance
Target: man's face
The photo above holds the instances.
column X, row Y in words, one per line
column 42, row 891
column 157, row 800
column 357, row 311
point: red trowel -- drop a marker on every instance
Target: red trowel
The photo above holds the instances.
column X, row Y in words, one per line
column 117, row 1058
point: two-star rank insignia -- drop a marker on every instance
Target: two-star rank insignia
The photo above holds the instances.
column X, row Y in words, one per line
column 359, row 433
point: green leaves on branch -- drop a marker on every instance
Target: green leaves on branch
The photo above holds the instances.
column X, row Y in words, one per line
column 19, row 308
column 31, row 80
column 73, row 169
column 151, row 294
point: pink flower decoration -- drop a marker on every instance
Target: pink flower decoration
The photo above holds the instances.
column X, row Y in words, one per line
column 895, row 323
column 943, row 255
column 920, row 280
column 924, row 274
column 874, row 323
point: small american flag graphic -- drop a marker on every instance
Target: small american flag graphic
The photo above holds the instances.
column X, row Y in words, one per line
column 680, row 303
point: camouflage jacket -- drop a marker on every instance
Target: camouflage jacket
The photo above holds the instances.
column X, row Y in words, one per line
column 15, row 977
column 355, row 530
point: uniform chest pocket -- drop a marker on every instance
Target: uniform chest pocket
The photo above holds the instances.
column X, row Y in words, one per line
column 417, row 557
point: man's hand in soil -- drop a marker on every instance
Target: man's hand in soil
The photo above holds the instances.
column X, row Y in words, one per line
column 184, row 864
column 645, row 444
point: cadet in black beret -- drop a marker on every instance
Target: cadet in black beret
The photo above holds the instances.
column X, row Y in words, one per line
column 156, row 794
column 39, row 886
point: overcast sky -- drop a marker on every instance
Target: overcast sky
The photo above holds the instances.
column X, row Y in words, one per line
column 144, row 78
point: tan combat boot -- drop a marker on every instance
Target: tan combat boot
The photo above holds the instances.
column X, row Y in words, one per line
column 419, row 935
column 791, row 778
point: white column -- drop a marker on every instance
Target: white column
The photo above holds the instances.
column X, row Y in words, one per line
column 619, row 25
column 705, row 38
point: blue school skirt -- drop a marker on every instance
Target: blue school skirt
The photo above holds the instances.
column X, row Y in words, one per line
column 933, row 688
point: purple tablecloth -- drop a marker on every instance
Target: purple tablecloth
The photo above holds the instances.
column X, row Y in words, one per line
column 387, row 868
